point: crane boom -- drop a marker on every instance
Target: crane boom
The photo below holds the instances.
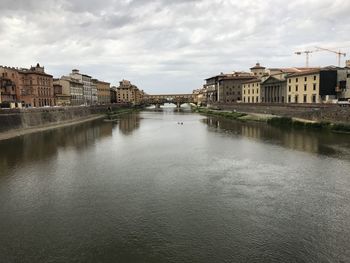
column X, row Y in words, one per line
column 339, row 53
column 307, row 53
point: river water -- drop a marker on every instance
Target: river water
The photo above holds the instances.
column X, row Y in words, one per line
column 148, row 189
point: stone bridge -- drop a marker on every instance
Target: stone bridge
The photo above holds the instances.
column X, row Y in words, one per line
column 177, row 99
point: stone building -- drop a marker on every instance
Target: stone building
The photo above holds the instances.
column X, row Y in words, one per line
column 252, row 91
column 73, row 88
column 230, row 87
column 312, row 86
column 103, row 91
column 89, row 88
column 129, row 93
column 7, row 90
column 113, row 92
column 258, row 71
column 34, row 87
column 62, row 96
column 273, row 89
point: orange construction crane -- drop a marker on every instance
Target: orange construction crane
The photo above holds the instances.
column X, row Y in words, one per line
column 339, row 54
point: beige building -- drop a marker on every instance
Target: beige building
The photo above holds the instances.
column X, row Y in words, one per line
column 312, row 86
column 61, row 97
column 252, row 91
column 199, row 97
column 72, row 87
column 129, row 93
column 258, row 71
column 89, row 88
column 103, row 91
column 34, row 88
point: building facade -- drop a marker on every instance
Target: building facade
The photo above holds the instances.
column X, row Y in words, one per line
column 129, row 93
column 89, row 88
column 7, row 90
column 103, row 91
column 252, row 91
column 273, row 89
column 231, row 87
column 34, row 88
column 62, row 98
column 313, row 86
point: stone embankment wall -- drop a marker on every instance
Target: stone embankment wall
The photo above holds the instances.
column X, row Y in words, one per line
column 11, row 119
column 315, row 112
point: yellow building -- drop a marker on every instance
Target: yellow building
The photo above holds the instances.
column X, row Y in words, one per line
column 128, row 93
column 103, row 91
column 252, row 91
column 312, row 86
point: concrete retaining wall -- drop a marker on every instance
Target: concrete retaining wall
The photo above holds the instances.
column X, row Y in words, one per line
column 11, row 119
column 316, row 112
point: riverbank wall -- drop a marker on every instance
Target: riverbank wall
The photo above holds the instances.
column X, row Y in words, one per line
column 314, row 112
column 21, row 119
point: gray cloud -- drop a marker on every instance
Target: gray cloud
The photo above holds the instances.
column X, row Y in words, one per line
column 165, row 45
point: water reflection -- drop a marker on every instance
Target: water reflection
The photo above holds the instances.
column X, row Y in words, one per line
column 129, row 123
column 326, row 143
column 42, row 146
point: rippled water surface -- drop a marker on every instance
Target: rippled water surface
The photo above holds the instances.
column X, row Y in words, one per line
column 148, row 189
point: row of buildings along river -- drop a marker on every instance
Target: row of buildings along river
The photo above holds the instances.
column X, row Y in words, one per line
column 278, row 85
column 33, row 87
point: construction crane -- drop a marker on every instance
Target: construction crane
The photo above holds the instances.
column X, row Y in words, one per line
column 339, row 54
column 307, row 53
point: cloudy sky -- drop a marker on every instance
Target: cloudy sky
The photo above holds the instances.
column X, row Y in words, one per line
column 169, row 46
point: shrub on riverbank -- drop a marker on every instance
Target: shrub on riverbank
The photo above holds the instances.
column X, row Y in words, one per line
column 225, row 114
column 288, row 122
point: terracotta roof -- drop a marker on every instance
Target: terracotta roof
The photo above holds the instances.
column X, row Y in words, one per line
column 252, row 81
column 305, row 72
column 257, row 66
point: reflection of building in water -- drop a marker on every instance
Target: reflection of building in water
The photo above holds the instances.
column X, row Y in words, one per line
column 129, row 123
column 302, row 140
column 45, row 145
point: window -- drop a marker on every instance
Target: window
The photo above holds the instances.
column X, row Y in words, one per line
column 314, row 86
column 296, row 87
column 313, row 98
column 305, row 79
column 305, row 98
column 289, row 88
column 296, row 80
column 296, row 99
column 289, row 80
column 314, row 77
column 305, row 87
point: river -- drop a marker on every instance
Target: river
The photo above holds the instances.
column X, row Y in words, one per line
column 147, row 188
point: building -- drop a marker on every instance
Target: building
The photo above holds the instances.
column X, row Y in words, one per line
column 62, row 94
column 258, row 71
column 89, row 88
column 113, row 92
column 273, row 89
column 7, row 91
column 103, row 91
column 347, row 64
column 199, row 97
column 225, row 88
column 73, row 88
column 252, row 91
column 312, row 86
column 129, row 93
column 34, row 87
